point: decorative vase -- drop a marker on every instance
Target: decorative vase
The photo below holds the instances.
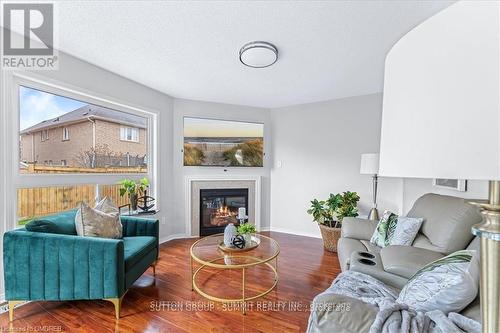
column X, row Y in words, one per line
column 133, row 201
column 229, row 233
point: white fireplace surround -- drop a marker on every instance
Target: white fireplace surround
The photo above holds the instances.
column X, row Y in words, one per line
column 195, row 183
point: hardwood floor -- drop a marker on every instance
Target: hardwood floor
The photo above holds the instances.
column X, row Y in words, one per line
column 305, row 269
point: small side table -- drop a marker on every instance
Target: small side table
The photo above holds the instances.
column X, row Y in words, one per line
column 136, row 213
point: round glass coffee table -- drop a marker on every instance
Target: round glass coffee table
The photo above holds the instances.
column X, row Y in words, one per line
column 208, row 254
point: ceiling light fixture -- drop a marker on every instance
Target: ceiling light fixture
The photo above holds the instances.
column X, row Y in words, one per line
column 258, row 54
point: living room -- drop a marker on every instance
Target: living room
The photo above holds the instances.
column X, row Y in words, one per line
column 185, row 166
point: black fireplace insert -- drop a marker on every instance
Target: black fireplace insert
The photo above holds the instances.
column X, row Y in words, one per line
column 219, row 207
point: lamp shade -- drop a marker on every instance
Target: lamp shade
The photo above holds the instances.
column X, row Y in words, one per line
column 441, row 108
column 369, row 164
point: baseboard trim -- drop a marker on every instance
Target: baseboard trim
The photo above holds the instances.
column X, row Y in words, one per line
column 174, row 236
column 282, row 230
column 294, row 232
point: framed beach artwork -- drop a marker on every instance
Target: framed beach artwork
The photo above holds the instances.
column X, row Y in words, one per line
column 223, row 143
column 451, row 184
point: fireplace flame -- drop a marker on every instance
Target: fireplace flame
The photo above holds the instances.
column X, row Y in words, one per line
column 223, row 210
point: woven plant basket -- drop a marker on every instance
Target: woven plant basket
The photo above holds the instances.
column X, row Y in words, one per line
column 330, row 237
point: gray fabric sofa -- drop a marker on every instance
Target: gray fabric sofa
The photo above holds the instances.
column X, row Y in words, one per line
column 446, row 229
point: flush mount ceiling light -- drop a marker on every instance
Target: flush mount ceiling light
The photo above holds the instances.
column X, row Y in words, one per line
column 258, row 54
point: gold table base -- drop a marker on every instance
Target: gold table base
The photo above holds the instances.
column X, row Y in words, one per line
column 243, row 299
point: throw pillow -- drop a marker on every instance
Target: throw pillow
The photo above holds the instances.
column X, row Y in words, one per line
column 385, row 229
column 42, row 226
column 406, row 230
column 59, row 223
column 101, row 221
column 448, row 284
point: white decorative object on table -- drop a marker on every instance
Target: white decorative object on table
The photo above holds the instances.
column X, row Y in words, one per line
column 242, row 212
column 229, row 233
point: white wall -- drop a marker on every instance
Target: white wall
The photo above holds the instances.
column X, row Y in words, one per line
column 415, row 187
column 190, row 108
column 319, row 146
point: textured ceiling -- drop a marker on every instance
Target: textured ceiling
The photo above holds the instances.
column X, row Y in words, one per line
column 328, row 49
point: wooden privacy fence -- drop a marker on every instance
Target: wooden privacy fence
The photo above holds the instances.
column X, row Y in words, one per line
column 37, row 168
column 32, row 202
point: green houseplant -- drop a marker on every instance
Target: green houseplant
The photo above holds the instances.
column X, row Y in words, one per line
column 246, row 230
column 329, row 214
column 133, row 189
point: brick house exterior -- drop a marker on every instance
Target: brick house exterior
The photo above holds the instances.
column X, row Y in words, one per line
column 88, row 136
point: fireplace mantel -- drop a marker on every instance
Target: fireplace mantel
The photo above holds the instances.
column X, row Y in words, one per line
column 194, row 184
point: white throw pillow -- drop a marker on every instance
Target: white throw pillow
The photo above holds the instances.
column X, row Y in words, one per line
column 448, row 284
column 385, row 229
column 406, row 230
column 101, row 221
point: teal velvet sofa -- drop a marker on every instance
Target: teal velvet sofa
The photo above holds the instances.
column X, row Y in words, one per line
column 61, row 266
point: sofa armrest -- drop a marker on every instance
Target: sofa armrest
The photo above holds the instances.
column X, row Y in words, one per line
column 137, row 226
column 357, row 228
column 340, row 314
column 43, row 266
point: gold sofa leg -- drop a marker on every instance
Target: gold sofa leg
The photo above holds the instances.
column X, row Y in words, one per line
column 117, row 302
column 12, row 304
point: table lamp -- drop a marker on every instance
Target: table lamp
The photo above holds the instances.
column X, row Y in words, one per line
column 441, row 118
column 369, row 166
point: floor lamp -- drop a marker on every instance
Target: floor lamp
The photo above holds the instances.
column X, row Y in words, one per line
column 441, row 118
column 369, row 166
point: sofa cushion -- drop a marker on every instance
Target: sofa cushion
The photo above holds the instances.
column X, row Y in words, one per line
column 60, row 223
column 357, row 228
column 423, row 242
column 473, row 310
column 475, row 245
column 405, row 261
column 447, row 221
column 136, row 248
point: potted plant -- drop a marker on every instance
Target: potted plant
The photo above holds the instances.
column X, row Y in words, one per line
column 329, row 214
column 246, row 230
column 133, row 189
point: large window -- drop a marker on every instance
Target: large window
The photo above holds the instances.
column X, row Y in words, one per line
column 72, row 147
column 209, row 142
column 102, row 140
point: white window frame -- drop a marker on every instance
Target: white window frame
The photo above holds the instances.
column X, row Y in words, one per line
column 65, row 134
column 11, row 136
column 44, row 135
column 134, row 133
